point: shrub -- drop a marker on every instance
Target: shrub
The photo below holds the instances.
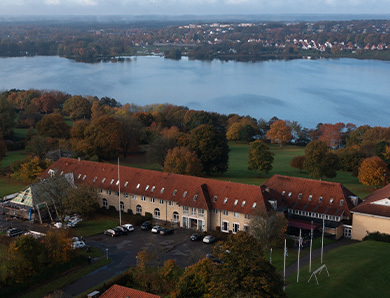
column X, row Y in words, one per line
column 111, row 208
column 377, row 236
column 148, row 216
column 129, row 211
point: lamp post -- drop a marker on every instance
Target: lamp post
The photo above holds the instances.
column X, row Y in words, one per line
column 107, row 253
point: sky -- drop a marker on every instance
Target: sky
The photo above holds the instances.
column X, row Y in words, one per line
column 196, row 7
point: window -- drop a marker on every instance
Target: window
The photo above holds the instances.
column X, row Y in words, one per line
column 236, row 214
column 62, row 172
column 134, row 197
column 246, row 228
column 112, row 181
column 289, row 194
column 215, row 199
column 100, row 190
column 184, row 194
column 104, row 203
column 215, row 211
column 143, row 198
column 117, row 183
column 235, row 202
column 300, row 196
column 122, row 206
column 174, row 192
column 225, row 200
column 162, row 190
column 201, row 212
column 283, row 192
column 156, row 213
column 103, row 180
column 153, row 188
column 185, row 210
column 320, row 199
column 225, row 212
column 117, row 193
column 331, row 201
column 246, row 216
column 85, row 176
column 138, row 185
column 176, row 217
column 254, row 205
column 243, row 204
column 108, row 192
column 341, row 202
column 126, row 195
column 138, row 209
column 236, row 227
column 225, row 226
column 78, row 177
column 161, row 202
column 310, row 197
column 195, row 197
column 94, row 179
column 193, row 211
column 147, row 187
column 170, row 203
column 152, row 200
column 126, row 183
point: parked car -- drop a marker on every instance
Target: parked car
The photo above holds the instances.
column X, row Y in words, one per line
column 13, row 232
column 122, row 230
column 147, row 225
column 208, row 239
column 166, row 231
column 112, row 232
column 156, row 229
column 196, row 237
column 128, row 227
column 78, row 244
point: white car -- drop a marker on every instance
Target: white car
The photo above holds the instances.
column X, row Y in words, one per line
column 128, row 227
column 156, row 229
column 208, row 239
column 78, row 244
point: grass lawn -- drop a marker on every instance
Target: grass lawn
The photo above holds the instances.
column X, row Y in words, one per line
column 12, row 156
column 358, row 270
column 20, row 133
column 95, row 226
column 9, row 186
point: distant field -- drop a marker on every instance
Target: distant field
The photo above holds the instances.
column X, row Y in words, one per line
column 358, row 270
column 9, row 186
column 10, row 157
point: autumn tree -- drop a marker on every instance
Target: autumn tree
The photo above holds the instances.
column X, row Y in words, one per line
column 30, row 169
column 372, row 171
column 158, row 149
column 210, row 145
column 244, row 272
column 7, row 116
column 78, row 129
column 58, row 246
column 260, row 157
column 83, row 200
column 130, row 133
column 180, row 160
column 40, row 146
column 298, row 162
column 350, row 159
column 279, row 133
column 54, row 126
column 319, row 161
column 77, row 107
column 332, row 134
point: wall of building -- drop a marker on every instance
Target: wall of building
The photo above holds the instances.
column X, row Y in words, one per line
column 361, row 224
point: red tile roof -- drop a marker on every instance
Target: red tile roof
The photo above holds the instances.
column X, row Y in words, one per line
column 370, row 206
column 313, row 195
column 189, row 191
column 117, row 291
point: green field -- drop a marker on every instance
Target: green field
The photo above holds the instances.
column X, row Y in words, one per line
column 12, row 156
column 358, row 270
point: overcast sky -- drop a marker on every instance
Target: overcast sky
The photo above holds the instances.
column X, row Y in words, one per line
column 200, row 7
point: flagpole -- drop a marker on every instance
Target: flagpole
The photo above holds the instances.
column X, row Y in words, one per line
column 119, row 196
column 322, row 242
column 299, row 252
column 311, row 245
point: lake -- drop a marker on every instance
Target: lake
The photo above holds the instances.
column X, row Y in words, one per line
column 308, row 91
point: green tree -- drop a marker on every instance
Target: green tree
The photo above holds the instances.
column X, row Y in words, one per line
column 158, row 149
column 260, row 157
column 39, row 146
column 319, row 161
column 130, row 133
column 180, row 160
column 83, row 200
column 77, row 107
column 7, row 116
column 54, row 126
column 210, row 145
column 244, row 272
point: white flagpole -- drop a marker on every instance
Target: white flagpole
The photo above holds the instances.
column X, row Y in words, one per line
column 284, row 263
column 119, row 197
column 299, row 253
column 322, row 242
column 311, row 245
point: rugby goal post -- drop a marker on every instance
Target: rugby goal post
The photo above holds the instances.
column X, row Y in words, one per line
column 318, row 271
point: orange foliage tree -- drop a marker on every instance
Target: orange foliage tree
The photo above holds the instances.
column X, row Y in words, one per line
column 181, row 160
column 279, row 133
column 372, row 171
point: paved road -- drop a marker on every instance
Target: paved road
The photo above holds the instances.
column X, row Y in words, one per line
column 123, row 250
column 304, row 261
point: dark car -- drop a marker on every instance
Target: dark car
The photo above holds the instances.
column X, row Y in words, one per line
column 112, row 232
column 122, row 230
column 196, row 237
column 147, row 225
column 166, row 231
column 13, row 232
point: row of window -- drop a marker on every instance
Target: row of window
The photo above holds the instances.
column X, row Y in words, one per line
column 310, row 198
column 314, row 214
column 235, row 227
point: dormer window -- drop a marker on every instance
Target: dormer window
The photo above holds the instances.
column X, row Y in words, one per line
column 243, row 204
column 103, row 180
column 300, row 196
column 117, row 183
column 85, row 176
column 94, row 179
column 283, row 193
column 254, row 205
column 162, row 190
column 174, row 192
column 320, row 199
column 195, row 197
column 153, row 188
column 126, row 183
column 184, row 194
column 331, row 201
column 310, row 197
column 62, row 172
column 235, row 202
column 341, row 202
column 225, row 200
column 112, row 181
column 147, row 187
column 215, row 199
column 138, row 185
column 289, row 194
column 78, row 177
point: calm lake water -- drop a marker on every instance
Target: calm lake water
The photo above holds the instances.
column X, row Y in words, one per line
column 308, row 91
